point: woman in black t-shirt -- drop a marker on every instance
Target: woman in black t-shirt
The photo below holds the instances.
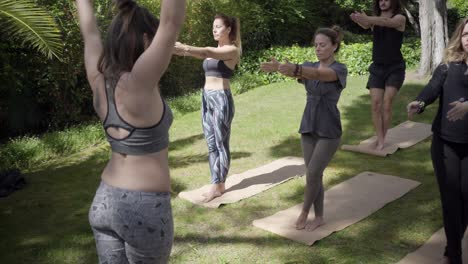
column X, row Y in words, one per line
column 449, row 148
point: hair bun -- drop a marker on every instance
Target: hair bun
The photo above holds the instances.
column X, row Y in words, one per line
column 339, row 32
column 125, row 5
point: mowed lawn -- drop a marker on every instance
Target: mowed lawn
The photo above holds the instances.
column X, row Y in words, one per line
column 47, row 221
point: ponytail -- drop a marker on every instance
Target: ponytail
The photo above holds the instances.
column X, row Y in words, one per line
column 235, row 34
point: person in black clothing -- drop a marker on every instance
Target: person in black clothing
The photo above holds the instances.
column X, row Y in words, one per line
column 449, row 148
column 387, row 71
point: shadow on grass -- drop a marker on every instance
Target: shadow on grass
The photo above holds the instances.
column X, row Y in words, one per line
column 273, row 177
column 359, row 126
column 291, row 146
column 185, row 142
column 179, row 161
column 48, row 220
column 421, row 205
column 383, row 230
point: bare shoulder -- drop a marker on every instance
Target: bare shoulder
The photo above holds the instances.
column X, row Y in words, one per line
column 400, row 17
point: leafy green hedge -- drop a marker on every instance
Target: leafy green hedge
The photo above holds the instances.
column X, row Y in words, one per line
column 356, row 56
column 58, row 95
column 461, row 7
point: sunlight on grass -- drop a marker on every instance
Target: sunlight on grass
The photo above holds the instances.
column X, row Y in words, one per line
column 47, row 221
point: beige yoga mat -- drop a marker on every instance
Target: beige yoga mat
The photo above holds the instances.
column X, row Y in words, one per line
column 432, row 252
column 404, row 135
column 251, row 182
column 345, row 204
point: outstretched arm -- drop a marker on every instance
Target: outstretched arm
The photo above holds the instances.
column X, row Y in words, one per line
column 299, row 71
column 228, row 52
column 270, row 66
column 398, row 22
column 152, row 64
column 92, row 39
column 355, row 17
column 321, row 74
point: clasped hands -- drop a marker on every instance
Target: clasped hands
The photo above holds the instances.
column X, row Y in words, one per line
column 359, row 17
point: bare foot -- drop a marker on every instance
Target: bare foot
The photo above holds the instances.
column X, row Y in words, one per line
column 301, row 221
column 220, row 187
column 379, row 147
column 318, row 221
column 211, row 195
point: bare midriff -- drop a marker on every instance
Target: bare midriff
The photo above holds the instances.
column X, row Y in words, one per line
column 148, row 173
column 216, row 83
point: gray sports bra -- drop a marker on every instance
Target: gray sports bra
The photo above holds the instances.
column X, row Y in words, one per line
column 217, row 68
column 140, row 140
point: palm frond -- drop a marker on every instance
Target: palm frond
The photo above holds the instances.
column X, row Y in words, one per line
column 25, row 21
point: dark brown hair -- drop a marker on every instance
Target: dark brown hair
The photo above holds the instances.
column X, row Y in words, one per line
column 124, row 42
column 395, row 5
column 334, row 33
column 234, row 24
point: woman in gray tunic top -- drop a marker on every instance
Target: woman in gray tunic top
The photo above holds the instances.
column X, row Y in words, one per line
column 320, row 126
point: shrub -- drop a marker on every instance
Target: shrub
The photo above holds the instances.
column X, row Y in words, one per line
column 356, row 56
column 245, row 82
column 29, row 151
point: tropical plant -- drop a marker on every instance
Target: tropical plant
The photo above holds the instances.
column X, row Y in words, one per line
column 23, row 20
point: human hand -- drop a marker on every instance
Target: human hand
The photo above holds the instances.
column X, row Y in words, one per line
column 412, row 108
column 287, row 68
column 271, row 66
column 353, row 16
column 180, row 49
column 458, row 111
column 359, row 17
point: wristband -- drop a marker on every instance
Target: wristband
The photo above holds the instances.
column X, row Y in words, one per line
column 296, row 70
column 421, row 106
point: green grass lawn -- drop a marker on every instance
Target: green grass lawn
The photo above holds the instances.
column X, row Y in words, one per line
column 47, row 221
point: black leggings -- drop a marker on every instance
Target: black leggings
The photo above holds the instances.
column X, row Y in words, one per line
column 450, row 161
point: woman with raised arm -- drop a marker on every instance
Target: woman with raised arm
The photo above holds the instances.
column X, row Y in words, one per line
column 217, row 103
column 387, row 71
column 449, row 150
column 131, row 214
column 321, row 125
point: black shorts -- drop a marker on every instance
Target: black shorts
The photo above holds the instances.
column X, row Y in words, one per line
column 382, row 75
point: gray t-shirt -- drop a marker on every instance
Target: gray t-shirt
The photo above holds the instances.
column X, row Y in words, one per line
column 321, row 115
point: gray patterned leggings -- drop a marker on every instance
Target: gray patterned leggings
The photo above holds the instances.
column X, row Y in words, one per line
column 131, row 226
column 318, row 152
column 217, row 115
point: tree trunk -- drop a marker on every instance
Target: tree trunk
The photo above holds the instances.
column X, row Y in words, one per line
column 433, row 22
column 412, row 21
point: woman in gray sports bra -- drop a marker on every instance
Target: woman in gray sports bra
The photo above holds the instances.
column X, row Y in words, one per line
column 131, row 215
column 217, row 103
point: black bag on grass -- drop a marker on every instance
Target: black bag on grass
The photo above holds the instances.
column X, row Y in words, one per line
column 10, row 181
